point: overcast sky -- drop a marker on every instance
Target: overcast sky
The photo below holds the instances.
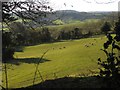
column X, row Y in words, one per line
column 85, row 5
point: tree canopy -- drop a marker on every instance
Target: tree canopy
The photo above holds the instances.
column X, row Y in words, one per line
column 106, row 27
column 13, row 10
column 31, row 9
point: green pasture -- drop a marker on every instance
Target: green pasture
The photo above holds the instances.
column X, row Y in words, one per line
column 65, row 58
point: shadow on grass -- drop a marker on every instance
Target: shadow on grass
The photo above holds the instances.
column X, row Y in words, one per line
column 19, row 61
column 75, row 82
column 19, row 48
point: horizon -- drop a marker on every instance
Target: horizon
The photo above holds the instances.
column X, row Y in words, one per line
column 88, row 11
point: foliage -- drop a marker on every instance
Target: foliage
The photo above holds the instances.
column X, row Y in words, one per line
column 24, row 35
column 111, row 66
column 84, row 27
column 7, row 46
column 25, row 10
column 46, row 36
column 76, row 33
column 14, row 10
column 73, row 34
column 32, row 36
column 106, row 27
column 58, row 22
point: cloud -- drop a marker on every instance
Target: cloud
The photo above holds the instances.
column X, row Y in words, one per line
column 85, row 5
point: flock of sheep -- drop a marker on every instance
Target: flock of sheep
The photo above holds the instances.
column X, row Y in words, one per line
column 85, row 45
column 90, row 44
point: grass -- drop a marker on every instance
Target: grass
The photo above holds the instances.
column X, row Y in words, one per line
column 63, row 58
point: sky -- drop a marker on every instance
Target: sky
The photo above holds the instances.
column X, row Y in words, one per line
column 85, row 5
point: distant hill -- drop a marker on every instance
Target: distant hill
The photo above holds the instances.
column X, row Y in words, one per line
column 66, row 15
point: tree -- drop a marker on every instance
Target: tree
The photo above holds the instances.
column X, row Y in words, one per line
column 21, row 32
column 106, row 27
column 61, row 35
column 7, row 46
column 30, row 9
column 78, row 33
column 117, row 30
column 46, row 36
column 13, row 10
column 111, row 66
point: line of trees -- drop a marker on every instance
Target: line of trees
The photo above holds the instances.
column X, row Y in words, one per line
column 23, row 35
column 26, row 35
column 73, row 34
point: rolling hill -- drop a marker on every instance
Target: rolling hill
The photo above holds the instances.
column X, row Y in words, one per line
column 67, row 15
column 75, row 15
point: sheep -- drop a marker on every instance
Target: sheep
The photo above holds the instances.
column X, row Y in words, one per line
column 60, row 48
column 86, row 45
column 64, row 47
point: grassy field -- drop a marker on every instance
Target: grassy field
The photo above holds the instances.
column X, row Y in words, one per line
column 73, row 57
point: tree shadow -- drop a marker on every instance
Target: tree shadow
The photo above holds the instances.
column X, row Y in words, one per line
column 19, row 61
column 19, row 48
column 74, row 82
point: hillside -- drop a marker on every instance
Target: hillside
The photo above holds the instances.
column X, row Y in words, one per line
column 67, row 15
column 63, row 58
column 71, row 16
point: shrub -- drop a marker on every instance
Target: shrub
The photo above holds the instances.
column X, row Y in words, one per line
column 111, row 66
column 7, row 46
column 106, row 28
